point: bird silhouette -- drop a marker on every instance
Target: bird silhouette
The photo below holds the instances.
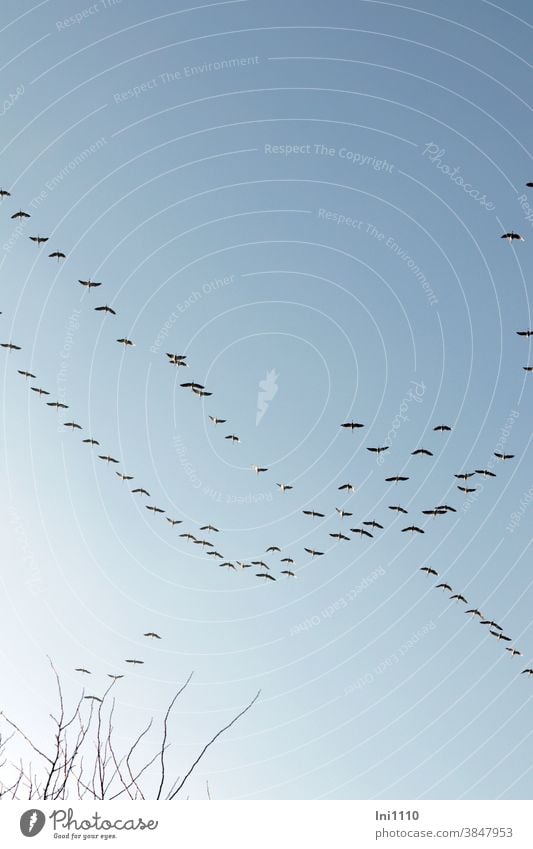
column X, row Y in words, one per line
column 314, row 514
column 421, row 452
column 313, row 552
column 442, row 428
column 511, row 236
column 20, row 214
column 57, row 255
column 429, row 570
column 352, row 425
column 413, row 529
column 362, row 532
column 89, row 284
column 105, row 309
column 39, row 240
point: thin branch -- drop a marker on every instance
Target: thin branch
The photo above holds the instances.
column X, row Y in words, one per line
column 210, row 743
column 165, row 729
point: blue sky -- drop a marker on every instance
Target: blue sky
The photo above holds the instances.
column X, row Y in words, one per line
column 273, row 190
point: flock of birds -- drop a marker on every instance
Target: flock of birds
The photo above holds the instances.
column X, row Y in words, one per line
column 263, row 570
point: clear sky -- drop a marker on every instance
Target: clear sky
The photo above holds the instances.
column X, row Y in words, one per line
column 306, row 199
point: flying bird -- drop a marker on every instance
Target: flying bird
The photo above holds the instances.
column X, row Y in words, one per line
column 396, row 479
column 57, row 255
column 4, row 193
column 313, row 514
column 459, row 597
column 343, row 513
column 378, row 450
column 82, row 669
column 73, row 425
column 217, row 421
column 107, row 458
column 464, row 476
column 373, row 524
column 154, row 509
column 258, row 469
column 105, row 309
column 288, row 573
column 287, row 560
column 202, row 393
column 514, row 652
column 475, row 612
column 57, row 404
column 512, row 235
column 528, row 671
column 352, row 425
column 174, row 522
column 437, row 511
column 10, row 346
column 126, row 342
column 273, row 548
column 313, row 552
column 210, row 528
column 141, row 491
column 232, row 437
column 114, row 677
column 132, row 660
column 446, row 508
column 284, row 486
column 442, row 428
column 524, row 333
column 93, row 698
column 20, row 214
column 26, row 374
column 124, row 477
column 421, row 452
column 265, row 575
column 347, row 486
column 189, row 537
column 500, row 636
column 467, row 489
column 491, row 624
column 362, row 532
column 39, row 390
column 192, row 385
column 89, row 284
column 413, row 529
column 398, row 509
column 340, row 536
column 152, row 635
column 91, row 441
column 429, row 570
column 39, row 240
column 444, row 587
column 503, row 456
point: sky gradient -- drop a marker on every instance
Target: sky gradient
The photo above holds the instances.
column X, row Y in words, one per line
column 306, row 199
